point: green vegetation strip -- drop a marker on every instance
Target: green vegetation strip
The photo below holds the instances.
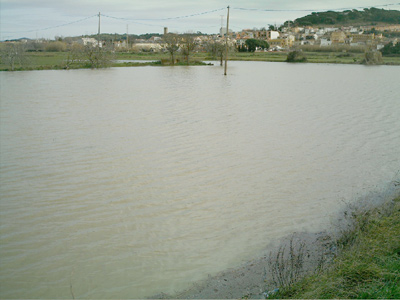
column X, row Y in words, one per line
column 59, row 60
column 367, row 267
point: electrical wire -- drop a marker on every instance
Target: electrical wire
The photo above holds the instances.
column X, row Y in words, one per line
column 308, row 10
column 172, row 18
column 52, row 27
column 135, row 20
column 130, row 20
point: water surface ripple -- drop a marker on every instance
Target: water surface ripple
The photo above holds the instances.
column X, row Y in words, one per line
column 123, row 183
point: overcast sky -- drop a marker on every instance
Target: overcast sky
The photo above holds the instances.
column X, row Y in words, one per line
column 50, row 18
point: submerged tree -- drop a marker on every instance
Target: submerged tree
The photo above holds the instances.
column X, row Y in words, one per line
column 216, row 49
column 172, row 45
column 188, row 44
column 372, row 58
column 97, row 57
column 296, row 56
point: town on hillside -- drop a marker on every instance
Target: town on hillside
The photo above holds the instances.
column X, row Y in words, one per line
column 289, row 37
column 365, row 31
column 278, row 39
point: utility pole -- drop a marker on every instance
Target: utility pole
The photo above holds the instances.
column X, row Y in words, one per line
column 127, row 37
column 226, row 42
column 98, row 33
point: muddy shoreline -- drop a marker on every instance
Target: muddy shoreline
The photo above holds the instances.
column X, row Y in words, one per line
column 254, row 279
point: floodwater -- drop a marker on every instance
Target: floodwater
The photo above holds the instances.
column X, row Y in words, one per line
column 123, row 183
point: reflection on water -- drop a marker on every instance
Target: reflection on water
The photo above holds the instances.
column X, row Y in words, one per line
column 123, row 183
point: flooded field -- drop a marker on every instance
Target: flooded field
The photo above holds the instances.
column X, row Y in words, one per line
column 127, row 182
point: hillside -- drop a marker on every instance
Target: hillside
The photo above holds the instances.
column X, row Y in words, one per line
column 369, row 16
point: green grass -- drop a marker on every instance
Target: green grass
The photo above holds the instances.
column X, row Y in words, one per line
column 141, row 56
column 367, row 267
column 334, row 57
column 259, row 56
column 47, row 58
column 57, row 60
column 394, row 60
column 39, row 61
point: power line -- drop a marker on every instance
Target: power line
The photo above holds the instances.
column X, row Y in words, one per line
column 130, row 20
column 237, row 8
column 135, row 20
column 171, row 18
column 308, row 10
column 52, row 27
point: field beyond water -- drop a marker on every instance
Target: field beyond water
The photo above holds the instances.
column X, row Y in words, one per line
column 58, row 60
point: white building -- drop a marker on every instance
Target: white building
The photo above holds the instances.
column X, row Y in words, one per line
column 331, row 29
column 147, row 47
column 272, row 35
column 91, row 41
column 325, row 42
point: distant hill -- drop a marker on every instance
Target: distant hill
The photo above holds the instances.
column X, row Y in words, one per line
column 18, row 40
column 369, row 16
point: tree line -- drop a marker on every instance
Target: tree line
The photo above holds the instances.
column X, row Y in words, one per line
column 391, row 49
column 251, row 45
column 368, row 15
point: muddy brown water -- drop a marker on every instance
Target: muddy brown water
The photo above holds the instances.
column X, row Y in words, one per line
column 128, row 182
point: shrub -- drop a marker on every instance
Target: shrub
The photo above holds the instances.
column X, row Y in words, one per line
column 56, row 47
column 296, row 56
column 372, row 58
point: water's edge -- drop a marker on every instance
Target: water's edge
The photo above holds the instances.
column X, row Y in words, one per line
column 253, row 279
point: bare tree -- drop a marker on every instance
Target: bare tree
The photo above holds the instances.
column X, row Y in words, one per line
column 13, row 54
column 172, row 45
column 89, row 56
column 75, row 55
column 188, row 44
column 216, row 49
column 97, row 57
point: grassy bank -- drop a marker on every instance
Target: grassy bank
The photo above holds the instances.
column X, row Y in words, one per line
column 61, row 60
column 58, row 60
column 367, row 264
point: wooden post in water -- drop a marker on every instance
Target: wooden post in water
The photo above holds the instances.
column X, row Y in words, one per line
column 98, row 33
column 127, row 38
column 98, row 45
column 226, row 42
